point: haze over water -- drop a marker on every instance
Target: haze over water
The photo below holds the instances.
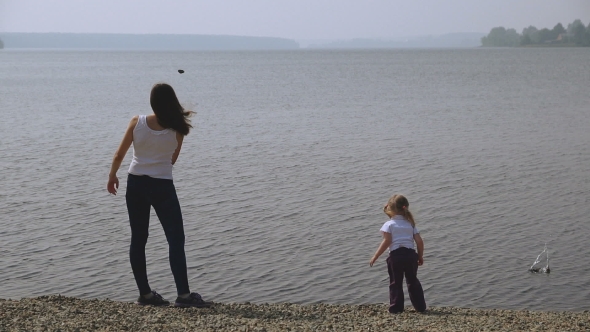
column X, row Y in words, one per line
column 293, row 154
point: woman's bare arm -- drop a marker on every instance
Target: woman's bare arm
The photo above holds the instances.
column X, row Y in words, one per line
column 113, row 183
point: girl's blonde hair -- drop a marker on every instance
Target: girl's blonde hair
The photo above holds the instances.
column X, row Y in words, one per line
column 398, row 204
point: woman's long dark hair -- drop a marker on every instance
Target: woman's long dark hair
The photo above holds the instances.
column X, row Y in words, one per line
column 168, row 111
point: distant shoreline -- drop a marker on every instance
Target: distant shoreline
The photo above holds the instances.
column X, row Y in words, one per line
column 72, row 314
column 536, row 46
column 170, row 42
column 569, row 45
column 572, row 45
column 175, row 42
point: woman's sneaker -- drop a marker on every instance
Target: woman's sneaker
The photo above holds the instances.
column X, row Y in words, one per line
column 194, row 300
column 155, row 300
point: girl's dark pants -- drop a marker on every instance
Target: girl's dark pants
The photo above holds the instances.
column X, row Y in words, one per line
column 404, row 261
column 142, row 193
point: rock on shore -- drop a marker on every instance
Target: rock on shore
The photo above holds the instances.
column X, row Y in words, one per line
column 60, row 313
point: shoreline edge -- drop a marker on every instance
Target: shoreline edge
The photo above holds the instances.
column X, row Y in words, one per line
column 61, row 313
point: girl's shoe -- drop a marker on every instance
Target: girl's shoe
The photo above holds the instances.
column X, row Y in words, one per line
column 155, row 300
column 194, row 300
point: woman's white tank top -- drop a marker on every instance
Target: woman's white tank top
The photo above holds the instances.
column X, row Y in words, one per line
column 152, row 151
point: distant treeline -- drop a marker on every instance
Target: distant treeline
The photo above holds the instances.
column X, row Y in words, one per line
column 1, row 44
column 576, row 34
column 143, row 42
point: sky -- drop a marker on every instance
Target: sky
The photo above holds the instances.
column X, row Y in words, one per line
column 294, row 19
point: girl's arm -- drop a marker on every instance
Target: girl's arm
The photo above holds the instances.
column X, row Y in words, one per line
column 420, row 245
column 113, row 183
column 179, row 139
column 385, row 243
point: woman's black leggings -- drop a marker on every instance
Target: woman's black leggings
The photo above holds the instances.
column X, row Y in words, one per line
column 143, row 192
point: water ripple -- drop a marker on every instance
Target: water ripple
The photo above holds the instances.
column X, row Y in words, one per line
column 283, row 179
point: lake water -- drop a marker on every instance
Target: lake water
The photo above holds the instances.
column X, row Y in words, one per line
column 293, row 154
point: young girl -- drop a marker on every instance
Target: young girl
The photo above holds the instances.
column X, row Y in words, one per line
column 157, row 139
column 399, row 234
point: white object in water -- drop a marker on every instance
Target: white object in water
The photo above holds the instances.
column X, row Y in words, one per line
column 545, row 269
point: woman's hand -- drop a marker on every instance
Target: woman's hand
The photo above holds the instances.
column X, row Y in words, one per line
column 420, row 260
column 372, row 261
column 113, row 185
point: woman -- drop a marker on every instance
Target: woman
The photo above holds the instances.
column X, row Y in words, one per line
column 157, row 139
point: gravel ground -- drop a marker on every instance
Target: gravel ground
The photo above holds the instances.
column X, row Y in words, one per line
column 60, row 313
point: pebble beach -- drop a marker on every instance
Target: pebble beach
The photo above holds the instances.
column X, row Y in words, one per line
column 60, row 313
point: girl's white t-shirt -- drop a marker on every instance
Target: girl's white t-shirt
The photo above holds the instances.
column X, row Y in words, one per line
column 152, row 151
column 402, row 232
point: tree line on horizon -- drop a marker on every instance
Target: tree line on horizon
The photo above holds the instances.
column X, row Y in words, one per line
column 1, row 44
column 576, row 34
